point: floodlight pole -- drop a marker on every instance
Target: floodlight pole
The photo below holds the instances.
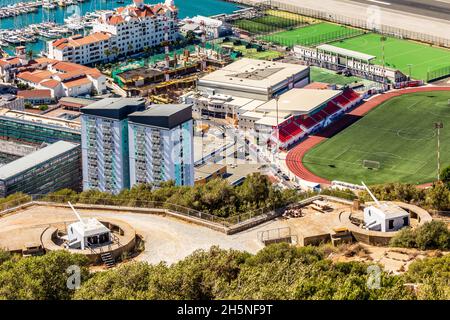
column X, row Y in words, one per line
column 438, row 126
column 278, row 124
column 410, row 67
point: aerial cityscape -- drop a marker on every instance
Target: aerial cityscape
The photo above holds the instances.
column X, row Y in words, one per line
column 224, row 150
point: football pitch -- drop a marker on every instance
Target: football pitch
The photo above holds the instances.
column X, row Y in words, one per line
column 400, row 54
column 398, row 135
column 312, row 34
column 324, row 75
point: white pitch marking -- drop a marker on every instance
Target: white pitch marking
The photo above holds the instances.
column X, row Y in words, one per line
column 380, row 2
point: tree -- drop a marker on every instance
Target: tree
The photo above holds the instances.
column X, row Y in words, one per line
column 429, row 236
column 108, row 54
column 438, row 197
column 30, row 54
column 40, row 278
column 433, row 235
column 43, row 107
column 190, row 37
column 445, row 176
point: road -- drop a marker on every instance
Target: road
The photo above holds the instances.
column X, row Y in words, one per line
column 439, row 9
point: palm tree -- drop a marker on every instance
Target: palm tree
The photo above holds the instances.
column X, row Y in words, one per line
column 107, row 54
column 30, row 54
column 115, row 51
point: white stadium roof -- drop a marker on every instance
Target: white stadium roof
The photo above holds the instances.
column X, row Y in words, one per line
column 346, row 52
column 300, row 101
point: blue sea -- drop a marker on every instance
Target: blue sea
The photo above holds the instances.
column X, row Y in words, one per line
column 188, row 8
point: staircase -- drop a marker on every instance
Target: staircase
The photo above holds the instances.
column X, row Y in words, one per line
column 108, row 260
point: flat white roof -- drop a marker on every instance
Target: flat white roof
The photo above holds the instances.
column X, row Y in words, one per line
column 252, row 114
column 253, row 73
column 252, row 105
column 300, row 101
column 34, row 159
column 391, row 210
column 346, row 52
column 269, row 121
column 21, row 115
column 89, row 227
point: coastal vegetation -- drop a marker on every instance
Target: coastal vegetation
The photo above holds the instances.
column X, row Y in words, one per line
column 278, row 271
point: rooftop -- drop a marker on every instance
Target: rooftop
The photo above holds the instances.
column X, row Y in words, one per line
column 346, row 52
column 163, row 115
column 253, row 73
column 40, row 119
column 35, row 159
column 300, row 101
column 115, row 108
column 391, row 210
column 37, row 93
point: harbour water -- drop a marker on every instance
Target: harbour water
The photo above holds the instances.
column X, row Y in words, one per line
column 188, row 8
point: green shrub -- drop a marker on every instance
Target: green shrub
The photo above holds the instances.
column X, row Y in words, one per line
column 429, row 236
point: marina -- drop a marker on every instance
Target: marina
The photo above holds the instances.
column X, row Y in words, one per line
column 50, row 19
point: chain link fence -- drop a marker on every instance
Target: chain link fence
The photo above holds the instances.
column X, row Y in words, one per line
column 345, row 20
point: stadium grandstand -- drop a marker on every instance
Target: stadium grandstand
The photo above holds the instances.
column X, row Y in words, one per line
column 354, row 62
column 297, row 113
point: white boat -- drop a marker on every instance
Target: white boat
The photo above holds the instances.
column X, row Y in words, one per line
column 49, row 6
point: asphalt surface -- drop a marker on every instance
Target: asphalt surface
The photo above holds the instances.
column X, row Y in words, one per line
column 439, row 9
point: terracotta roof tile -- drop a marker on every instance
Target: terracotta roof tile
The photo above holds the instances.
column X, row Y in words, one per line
column 76, row 83
column 50, row 83
column 37, row 93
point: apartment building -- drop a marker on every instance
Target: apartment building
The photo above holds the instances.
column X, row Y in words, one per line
column 104, row 143
column 161, row 145
column 124, row 144
column 126, row 30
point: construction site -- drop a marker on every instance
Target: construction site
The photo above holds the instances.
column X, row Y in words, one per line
column 163, row 81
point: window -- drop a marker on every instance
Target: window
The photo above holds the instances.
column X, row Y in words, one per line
column 391, row 224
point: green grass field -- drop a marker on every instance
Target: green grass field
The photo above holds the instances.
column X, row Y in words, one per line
column 399, row 134
column 270, row 23
column 312, row 35
column 328, row 76
column 399, row 53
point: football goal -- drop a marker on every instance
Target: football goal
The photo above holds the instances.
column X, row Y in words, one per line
column 372, row 165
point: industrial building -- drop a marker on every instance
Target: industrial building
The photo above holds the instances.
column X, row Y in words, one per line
column 161, row 145
column 49, row 169
column 245, row 83
column 36, row 129
column 254, row 79
column 104, row 143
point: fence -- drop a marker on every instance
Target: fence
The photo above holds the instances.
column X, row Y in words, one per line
column 263, row 213
column 344, row 20
column 311, row 41
column 438, row 74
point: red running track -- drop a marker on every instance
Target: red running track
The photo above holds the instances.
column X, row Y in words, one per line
column 294, row 159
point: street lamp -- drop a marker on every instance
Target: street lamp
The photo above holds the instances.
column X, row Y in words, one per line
column 438, row 126
column 409, row 67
